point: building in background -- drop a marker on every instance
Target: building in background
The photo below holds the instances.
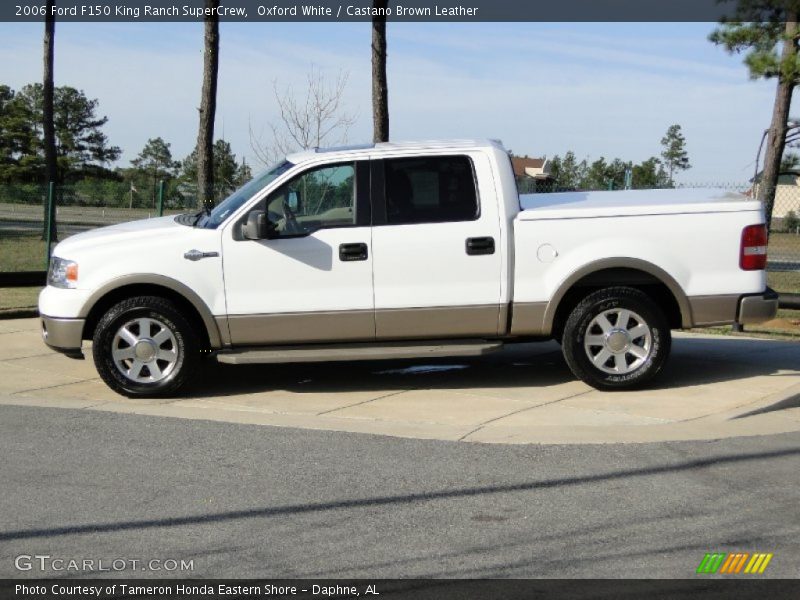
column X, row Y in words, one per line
column 787, row 200
column 532, row 174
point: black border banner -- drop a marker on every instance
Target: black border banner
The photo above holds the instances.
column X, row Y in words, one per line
column 360, row 10
column 734, row 588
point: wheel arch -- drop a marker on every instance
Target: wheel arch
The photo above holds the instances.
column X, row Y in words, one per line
column 608, row 272
column 155, row 285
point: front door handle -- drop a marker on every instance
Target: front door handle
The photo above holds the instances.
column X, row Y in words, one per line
column 351, row 252
column 480, row 245
column 195, row 255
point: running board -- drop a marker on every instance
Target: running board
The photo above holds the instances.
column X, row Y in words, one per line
column 341, row 352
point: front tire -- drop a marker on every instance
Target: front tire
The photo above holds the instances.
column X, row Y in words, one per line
column 616, row 338
column 143, row 347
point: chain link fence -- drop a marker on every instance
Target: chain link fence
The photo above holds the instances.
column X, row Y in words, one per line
column 783, row 253
column 78, row 207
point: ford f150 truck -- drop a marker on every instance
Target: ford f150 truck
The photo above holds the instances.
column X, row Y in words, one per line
column 403, row 250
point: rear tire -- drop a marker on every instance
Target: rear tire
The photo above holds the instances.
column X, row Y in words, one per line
column 143, row 347
column 616, row 338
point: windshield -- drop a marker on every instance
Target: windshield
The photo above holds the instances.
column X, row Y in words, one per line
column 233, row 202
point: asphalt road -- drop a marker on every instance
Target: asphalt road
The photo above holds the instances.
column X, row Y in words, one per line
column 255, row 501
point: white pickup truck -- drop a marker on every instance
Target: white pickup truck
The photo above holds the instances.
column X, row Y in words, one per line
column 404, row 250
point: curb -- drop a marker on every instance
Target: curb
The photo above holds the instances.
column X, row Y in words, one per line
column 18, row 313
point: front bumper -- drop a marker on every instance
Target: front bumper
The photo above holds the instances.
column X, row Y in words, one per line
column 759, row 308
column 63, row 335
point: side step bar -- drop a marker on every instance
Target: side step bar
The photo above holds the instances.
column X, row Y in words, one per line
column 342, row 352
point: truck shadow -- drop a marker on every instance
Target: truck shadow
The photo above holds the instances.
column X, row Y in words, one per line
column 694, row 362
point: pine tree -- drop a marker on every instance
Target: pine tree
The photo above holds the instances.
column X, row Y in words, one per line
column 674, row 154
column 380, row 91
column 48, row 117
column 208, row 108
column 155, row 161
column 767, row 32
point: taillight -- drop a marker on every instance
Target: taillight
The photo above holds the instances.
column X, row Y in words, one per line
column 753, row 253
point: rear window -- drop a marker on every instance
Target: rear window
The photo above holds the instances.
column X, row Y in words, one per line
column 430, row 190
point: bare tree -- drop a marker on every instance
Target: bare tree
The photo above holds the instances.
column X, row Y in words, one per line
column 315, row 120
column 380, row 91
column 208, row 108
column 48, row 125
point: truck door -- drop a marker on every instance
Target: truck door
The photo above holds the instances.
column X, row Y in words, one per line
column 436, row 248
column 312, row 280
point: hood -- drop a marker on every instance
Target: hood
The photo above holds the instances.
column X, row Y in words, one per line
column 122, row 233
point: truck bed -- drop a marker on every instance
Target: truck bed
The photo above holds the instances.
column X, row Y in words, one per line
column 571, row 205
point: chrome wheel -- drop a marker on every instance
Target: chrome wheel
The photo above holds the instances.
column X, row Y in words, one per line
column 145, row 350
column 618, row 341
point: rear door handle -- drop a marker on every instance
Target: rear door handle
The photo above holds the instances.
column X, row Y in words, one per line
column 480, row 245
column 352, row 252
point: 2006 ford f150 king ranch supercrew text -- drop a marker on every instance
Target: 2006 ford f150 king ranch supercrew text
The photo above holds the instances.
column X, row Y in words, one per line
column 405, row 250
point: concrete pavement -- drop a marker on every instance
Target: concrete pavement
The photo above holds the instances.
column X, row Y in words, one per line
column 713, row 387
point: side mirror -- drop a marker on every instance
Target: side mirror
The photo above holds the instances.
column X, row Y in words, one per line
column 256, row 226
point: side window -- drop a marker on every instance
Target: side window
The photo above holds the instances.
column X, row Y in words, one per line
column 319, row 198
column 435, row 189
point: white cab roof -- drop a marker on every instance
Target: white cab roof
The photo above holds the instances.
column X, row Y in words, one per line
column 391, row 147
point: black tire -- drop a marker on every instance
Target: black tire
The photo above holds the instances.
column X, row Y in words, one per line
column 165, row 378
column 652, row 350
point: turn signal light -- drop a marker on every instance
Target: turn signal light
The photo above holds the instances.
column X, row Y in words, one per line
column 72, row 272
column 753, row 253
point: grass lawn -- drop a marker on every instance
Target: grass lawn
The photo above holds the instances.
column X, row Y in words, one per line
column 25, row 297
column 786, row 323
column 784, row 244
column 787, row 282
column 22, row 253
column 87, row 215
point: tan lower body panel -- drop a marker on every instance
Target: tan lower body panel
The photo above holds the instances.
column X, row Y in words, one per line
column 284, row 328
column 437, row 322
column 365, row 325
column 427, row 323
column 713, row 310
column 527, row 318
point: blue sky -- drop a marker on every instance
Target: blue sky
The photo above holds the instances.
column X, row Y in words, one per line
column 599, row 89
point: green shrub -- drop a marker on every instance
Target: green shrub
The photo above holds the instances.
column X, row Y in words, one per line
column 791, row 222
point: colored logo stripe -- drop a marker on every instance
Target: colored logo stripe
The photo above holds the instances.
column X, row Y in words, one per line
column 710, row 563
column 735, row 562
column 732, row 564
column 758, row 563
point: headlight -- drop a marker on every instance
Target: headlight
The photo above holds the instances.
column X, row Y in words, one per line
column 62, row 273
